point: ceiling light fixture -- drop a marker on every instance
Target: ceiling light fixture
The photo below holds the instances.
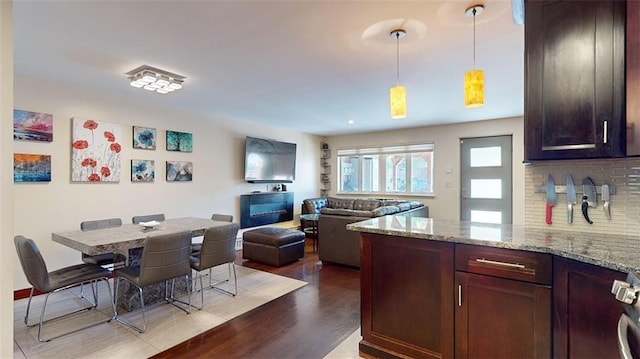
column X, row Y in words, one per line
column 474, row 79
column 398, row 93
column 153, row 79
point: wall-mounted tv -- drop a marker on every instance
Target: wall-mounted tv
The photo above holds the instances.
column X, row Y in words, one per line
column 269, row 161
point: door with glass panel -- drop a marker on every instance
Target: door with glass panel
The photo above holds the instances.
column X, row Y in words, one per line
column 485, row 179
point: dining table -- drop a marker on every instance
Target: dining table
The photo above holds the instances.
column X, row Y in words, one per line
column 127, row 243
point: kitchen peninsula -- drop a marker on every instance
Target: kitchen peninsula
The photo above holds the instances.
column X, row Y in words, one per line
column 440, row 288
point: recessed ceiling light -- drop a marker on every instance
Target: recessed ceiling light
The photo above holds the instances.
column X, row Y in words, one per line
column 351, row 122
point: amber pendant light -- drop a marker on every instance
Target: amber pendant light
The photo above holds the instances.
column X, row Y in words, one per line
column 474, row 79
column 398, row 93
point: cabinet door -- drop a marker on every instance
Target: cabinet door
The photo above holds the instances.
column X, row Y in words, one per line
column 407, row 297
column 574, row 86
column 501, row 318
column 585, row 312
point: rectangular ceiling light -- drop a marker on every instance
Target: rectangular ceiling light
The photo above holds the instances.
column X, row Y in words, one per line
column 156, row 80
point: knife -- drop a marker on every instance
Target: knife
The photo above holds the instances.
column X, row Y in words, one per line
column 590, row 198
column 551, row 198
column 571, row 198
column 605, row 199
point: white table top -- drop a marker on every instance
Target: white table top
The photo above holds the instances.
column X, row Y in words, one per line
column 127, row 236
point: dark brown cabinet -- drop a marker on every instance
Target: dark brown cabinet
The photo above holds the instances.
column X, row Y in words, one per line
column 585, row 313
column 575, row 79
column 503, row 294
column 407, row 297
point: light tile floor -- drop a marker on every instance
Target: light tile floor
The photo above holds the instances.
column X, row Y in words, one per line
column 348, row 349
column 166, row 325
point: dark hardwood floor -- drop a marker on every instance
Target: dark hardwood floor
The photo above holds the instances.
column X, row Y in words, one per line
column 306, row 323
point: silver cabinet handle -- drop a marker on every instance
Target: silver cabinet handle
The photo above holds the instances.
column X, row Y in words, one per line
column 459, row 295
column 504, row 264
column 605, row 131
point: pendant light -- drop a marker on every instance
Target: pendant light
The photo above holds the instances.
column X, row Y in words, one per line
column 474, row 79
column 398, row 93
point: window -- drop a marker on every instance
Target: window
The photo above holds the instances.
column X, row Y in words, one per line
column 393, row 169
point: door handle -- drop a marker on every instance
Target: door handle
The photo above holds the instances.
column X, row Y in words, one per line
column 459, row 295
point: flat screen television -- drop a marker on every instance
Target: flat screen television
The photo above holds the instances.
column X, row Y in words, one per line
column 269, row 161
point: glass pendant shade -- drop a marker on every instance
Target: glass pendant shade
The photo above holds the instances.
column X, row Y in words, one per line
column 474, row 88
column 398, row 99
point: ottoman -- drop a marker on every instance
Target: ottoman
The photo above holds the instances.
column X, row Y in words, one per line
column 273, row 246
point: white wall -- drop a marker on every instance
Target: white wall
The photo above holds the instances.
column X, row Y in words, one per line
column 445, row 204
column 218, row 160
column 6, row 194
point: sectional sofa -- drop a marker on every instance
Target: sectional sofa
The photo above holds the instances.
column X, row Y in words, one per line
column 335, row 243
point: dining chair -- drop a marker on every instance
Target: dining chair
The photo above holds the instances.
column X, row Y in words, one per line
column 164, row 257
column 195, row 247
column 218, row 247
column 104, row 258
column 35, row 269
column 148, row 217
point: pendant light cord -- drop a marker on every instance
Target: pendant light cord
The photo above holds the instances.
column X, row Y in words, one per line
column 474, row 38
column 398, row 58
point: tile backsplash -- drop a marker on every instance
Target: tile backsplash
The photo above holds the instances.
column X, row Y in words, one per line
column 622, row 175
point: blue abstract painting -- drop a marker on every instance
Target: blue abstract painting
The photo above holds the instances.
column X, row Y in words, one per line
column 143, row 170
column 179, row 141
column 144, row 138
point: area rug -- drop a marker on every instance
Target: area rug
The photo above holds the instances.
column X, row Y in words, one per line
column 166, row 325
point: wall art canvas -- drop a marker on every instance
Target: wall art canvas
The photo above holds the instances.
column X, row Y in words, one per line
column 179, row 171
column 179, row 141
column 96, row 151
column 32, row 126
column 144, row 137
column 143, row 170
column 31, row 168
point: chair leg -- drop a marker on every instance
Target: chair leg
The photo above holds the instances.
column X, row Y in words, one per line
column 173, row 301
column 44, row 306
column 124, row 322
column 235, row 279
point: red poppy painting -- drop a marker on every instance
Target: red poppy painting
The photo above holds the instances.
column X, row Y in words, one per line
column 96, row 151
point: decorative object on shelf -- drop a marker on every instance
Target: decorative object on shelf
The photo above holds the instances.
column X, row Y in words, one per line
column 144, row 138
column 325, row 179
column 95, row 153
column 179, row 171
column 474, row 79
column 32, row 126
column 179, row 141
column 31, row 168
column 154, row 79
column 398, row 93
column 143, row 170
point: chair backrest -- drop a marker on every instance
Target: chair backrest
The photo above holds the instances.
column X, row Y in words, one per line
column 219, row 245
column 33, row 265
column 149, row 217
column 100, row 223
column 165, row 257
column 222, row 217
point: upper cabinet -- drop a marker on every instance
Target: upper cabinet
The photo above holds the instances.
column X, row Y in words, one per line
column 575, row 79
column 633, row 78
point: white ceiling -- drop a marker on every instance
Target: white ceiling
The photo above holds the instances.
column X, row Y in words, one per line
column 311, row 65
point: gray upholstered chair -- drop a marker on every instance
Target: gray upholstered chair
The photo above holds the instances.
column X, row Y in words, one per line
column 148, row 217
column 164, row 257
column 218, row 247
column 104, row 258
column 196, row 247
column 35, row 269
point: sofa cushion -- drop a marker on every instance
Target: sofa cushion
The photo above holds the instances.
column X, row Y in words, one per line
column 342, row 203
column 384, row 210
column 366, row 204
column 313, row 205
column 416, row 204
column 403, row 206
column 345, row 212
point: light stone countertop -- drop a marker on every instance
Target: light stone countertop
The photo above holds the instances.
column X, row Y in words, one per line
column 621, row 253
column 128, row 236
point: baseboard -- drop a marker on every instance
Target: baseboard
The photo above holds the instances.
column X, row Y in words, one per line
column 24, row 293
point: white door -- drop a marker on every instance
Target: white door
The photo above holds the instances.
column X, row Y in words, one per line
column 485, row 179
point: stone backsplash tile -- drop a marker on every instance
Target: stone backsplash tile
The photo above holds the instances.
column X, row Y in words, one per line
column 623, row 175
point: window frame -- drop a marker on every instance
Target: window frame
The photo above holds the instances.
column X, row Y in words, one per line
column 382, row 153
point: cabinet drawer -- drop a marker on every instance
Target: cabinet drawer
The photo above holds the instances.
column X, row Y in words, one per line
column 504, row 263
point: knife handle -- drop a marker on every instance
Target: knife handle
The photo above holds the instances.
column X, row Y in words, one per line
column 607, row 210
column 569, row 213
column 585, row 206
column 549, row 212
